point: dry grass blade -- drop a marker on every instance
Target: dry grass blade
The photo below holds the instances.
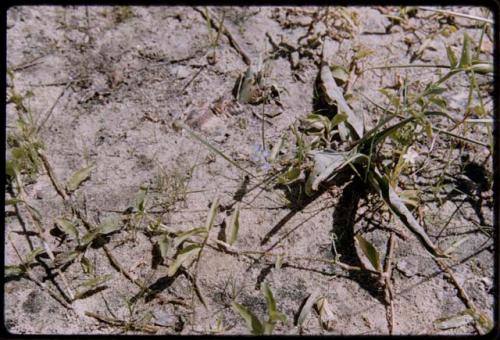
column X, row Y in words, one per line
column 333, row 96
column 306, row 309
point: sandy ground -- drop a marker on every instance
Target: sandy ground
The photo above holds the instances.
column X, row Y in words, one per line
column 108, row 83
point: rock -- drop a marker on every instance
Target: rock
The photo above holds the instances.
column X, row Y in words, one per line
column 373, row 21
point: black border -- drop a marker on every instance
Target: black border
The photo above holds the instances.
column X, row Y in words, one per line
column 493, row 5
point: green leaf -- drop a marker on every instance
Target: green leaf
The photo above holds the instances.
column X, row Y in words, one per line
column 338, row 118
column 180, row 237
column 292, row 175
column 434, row 90
column 67, row 227
column 31, row 256
column 454, row 321
column 87, row 266
column 89, row 237
column 91, row 283
column 367, row 254
column 482, row 68
column 78, row 177
column 109, row 225
column 183, row 256
column 465, row 58
column 11, row 271
column 253, row 323
column 13, row 201
column 211, row 215
column 66, row 257
column 234, row 226
column 139, row 200
column 340, row 73
column 452, row 58
column 271, row 303
column 307, row 307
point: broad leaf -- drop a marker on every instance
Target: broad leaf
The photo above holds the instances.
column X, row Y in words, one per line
column 67, row 227
column 78, row 177
column 367, row 254
column 110, row 225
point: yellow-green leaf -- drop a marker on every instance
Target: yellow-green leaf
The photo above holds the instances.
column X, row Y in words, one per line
column 234, row 225
column 183, row 256
column 78, row 177
column 367, row 254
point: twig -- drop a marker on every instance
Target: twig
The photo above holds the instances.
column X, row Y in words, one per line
column 28, row 64
column 121, row 323
column 49, row 112
column 213, row 20
column 468, row 16
column 193, row 78
column 389, row 293
column 60, row 190
column 461, row 291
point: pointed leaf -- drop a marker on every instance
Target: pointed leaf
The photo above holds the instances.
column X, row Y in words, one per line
column 87, row 266
column 306, row 309
column 211, row 215
column 234, row 225
column 91, row 283
column 183, row 256
column 367, row 254
column 454, row 321
column 182, row 236
column 141, row 196
column 67, row 227
column 271, row 303
column 78, row 177
column 89, row 237
column 12, row 201
column 253, row 323
column 451, row 57
column 465, row 58
column 31, row 256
